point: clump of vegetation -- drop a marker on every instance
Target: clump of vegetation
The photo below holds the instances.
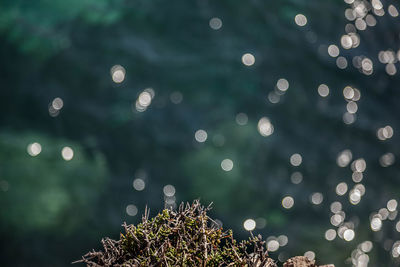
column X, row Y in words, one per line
column 186, row 237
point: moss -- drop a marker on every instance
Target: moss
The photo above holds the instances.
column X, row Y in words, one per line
column 186, row 237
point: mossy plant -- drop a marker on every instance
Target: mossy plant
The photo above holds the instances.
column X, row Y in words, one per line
column 186, row 237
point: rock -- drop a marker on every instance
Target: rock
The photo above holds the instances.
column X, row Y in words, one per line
column 299, row 261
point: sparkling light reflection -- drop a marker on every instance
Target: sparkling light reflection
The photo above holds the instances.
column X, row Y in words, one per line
column 215, row 23
column 67, row 153
column 265, row 127
column 118, row 73
column 300, row 20
column 287, row 202
column 249, row 224
column 227, row 165
column 248, row 59
column 34, row 149
column 200, row 136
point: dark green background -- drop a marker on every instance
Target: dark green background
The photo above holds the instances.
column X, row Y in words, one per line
column 54, row 211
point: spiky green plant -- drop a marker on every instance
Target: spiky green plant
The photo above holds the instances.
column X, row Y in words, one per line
column 186, row 237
